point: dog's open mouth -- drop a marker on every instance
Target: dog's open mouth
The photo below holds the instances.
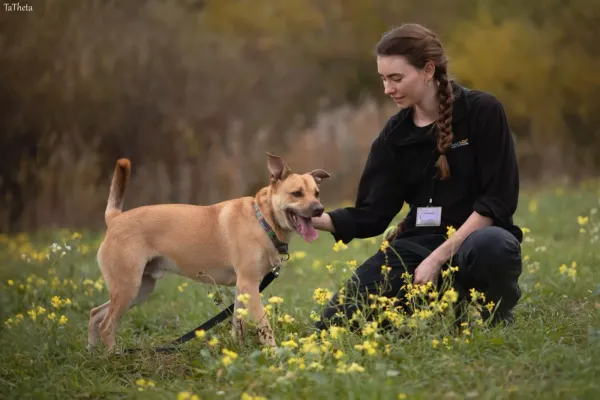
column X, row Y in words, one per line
column 302, row 225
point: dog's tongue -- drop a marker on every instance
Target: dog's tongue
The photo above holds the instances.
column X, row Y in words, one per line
column 306, row 229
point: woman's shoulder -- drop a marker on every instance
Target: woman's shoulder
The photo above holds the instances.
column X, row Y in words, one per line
column 477, row 100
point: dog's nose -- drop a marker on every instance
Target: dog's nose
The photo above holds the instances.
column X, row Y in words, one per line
column 317, row 209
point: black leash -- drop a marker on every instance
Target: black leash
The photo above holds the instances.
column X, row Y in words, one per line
column 211, row 323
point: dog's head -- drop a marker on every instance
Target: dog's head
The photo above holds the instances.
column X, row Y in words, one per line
column 295, row 197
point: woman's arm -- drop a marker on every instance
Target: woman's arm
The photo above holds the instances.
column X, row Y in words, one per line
column 379, row 199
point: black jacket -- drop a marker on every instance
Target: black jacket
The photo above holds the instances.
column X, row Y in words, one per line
column 401, row 167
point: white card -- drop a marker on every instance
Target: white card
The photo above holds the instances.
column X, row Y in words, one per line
column 429, row 216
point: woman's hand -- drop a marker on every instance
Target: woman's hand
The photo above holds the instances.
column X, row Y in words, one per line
column 428, row 271
column 323, row 223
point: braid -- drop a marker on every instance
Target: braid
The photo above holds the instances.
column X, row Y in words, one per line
column 444, row 124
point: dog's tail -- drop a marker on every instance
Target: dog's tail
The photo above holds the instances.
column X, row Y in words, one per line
column 120, row 178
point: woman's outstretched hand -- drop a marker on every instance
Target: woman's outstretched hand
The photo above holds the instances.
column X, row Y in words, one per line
column 323, row 223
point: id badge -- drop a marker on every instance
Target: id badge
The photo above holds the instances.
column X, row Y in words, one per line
column 429, row 216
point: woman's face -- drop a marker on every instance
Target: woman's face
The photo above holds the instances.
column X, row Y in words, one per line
column 404, row 83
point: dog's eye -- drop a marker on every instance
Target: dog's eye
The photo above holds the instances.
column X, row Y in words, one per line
column 297, row 193
column 317, row 194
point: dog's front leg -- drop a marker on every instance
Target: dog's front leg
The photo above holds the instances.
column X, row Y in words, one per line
column 248, row 299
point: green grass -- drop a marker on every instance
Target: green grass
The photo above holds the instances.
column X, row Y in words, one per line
column 551, row 352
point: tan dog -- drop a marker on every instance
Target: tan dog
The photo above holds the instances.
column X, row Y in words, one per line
column 223, row 244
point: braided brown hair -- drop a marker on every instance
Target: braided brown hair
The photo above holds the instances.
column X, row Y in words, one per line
column 419, row 45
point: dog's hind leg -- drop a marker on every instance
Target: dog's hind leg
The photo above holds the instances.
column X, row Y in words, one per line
column 120, row 301
column 97, row 314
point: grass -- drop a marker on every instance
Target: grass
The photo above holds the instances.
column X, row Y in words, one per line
column 551, row 352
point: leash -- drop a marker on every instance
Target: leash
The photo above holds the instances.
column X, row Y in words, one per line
column 282, row 248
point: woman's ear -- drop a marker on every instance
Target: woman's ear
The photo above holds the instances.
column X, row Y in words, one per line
column 429, row 70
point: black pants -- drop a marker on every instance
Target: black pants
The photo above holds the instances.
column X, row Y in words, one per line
column 489, row 261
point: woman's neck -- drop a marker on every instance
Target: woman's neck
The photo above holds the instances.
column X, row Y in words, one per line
column 427, row 111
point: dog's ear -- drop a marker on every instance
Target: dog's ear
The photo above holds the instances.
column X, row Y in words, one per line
column 277, row 167
column 319, row 175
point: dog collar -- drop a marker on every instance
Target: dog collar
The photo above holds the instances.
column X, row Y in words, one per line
column 281, row 247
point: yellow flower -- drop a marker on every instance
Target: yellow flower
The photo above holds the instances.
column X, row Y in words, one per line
column 450, row 296
column 51, row 316
column 339, row 245
column 63, row 320
column 355, row 368
column 200, row 333
column 322, row 296
column 213, row 342
column 246, row 396
column 243, row 298
column 286, row 318
column 450, row 230
column 290, row 343
column 368, row 347
column 533, row 206
column 10, row 282
column 582, row 220
column 56, row 302
column 525, row 230
column 435, row 343
column 229, row 357
column 275, row 300
column 384, row 245
column 187, row 396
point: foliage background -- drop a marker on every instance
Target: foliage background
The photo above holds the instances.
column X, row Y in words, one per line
column 195, row 92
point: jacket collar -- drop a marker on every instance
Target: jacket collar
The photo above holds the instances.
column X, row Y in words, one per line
column 460, row 111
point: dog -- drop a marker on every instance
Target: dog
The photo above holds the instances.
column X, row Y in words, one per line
column 223, row 244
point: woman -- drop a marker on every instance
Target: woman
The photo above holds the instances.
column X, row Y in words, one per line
column 449, row 154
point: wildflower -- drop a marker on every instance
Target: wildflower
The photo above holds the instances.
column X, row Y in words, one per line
column 582, row 220
column 435, row 343
column 339, row 245
column 286, row 318
column 384, row 245
column 143, row 384
column 246, row 396
column 275, row 300
column 354, row 367
column 368, row 347
column 51, row 316
column 187, row 396
column 10, row 282
column 316, row 365
column 322, row 296
column 370, row 328
column 180, row 287
column 450, row 296
column 63, row 320
column 213, row 342
column 290, row 343
column 450, row 230
column 56, row 302
column 243, row 298
column 299, row 255
column 229, row 357
column 297, row 360
column 200, row 333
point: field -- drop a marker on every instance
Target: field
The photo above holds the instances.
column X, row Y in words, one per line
column 49, row 281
